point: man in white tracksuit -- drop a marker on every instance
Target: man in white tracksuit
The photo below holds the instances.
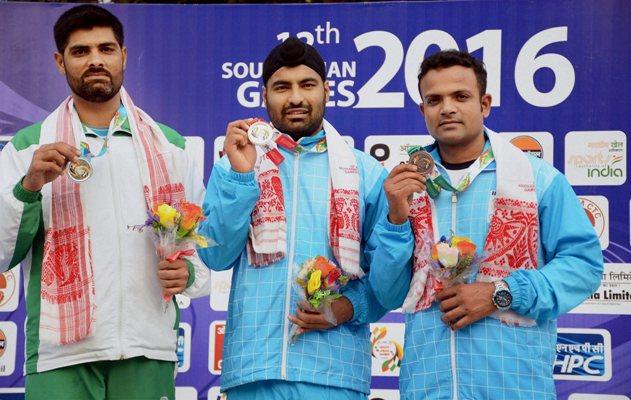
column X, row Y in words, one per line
column 97, row 325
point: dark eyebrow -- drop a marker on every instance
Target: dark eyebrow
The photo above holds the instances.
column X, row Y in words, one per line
column 78, row 47
column 309, row 80
column 280, row 83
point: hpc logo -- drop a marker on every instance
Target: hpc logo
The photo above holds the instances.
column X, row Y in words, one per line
column 583, row 354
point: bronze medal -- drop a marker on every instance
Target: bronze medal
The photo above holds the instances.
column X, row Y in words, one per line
column 423, row 161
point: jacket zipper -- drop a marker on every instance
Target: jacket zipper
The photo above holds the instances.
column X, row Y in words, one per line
column 290, row 262
column 452, row 339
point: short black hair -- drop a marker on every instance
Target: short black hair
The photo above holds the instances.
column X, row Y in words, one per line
column 450, row 58
column 85, row 17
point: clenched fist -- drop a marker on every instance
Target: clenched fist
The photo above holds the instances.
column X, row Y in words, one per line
column 48, row 163
column 404, row 180
column 240, row 151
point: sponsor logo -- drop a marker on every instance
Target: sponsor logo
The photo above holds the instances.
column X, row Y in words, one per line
column 537, row 144
column 217, row 330
column 613, row 296
column 391, row 150
column 595, row 158
column 597, row 210
column 529, row 145
column 583, row 354
column 183, row 349
column 8, row 338
column 9, row 290
column 386, row 348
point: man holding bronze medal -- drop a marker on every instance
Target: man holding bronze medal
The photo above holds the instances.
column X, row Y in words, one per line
column 284, row 193
column 71, row 188
column 502, row 248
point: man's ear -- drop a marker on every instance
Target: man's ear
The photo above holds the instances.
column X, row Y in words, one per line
column 485, row 102
column 59, row 63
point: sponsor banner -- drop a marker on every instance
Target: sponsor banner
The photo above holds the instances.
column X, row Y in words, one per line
column 596, row 157
column 387, row 348
column 583, row 354
column 597, row 210
column 10, row 290
column 12, row 393
column 183, row 347
column 391, row 150
column 185, row 393
column 216, row 333
column 220, row 289
column 384, row 394
column 594, row 396
column 182, row 301
column 8, row 342
column 538, row 144
column 613, row 295
column 214, row 394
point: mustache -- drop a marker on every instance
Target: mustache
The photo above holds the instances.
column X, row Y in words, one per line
column 286, row 109
column 91, row 71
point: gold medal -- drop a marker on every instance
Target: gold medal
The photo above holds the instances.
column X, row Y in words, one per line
column 80, row 170
column 423, row 161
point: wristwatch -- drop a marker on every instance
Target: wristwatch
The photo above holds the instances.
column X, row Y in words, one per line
column 502, row 297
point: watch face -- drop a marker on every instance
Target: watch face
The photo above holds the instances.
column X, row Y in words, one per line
column 503, row 298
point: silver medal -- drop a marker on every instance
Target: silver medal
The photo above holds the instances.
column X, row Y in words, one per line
column 260, row 133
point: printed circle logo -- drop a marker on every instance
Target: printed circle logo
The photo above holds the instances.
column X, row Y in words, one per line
column 388, row 353
column 594, row 214
column 529, row 145
column 3, row 343
column 7, row 287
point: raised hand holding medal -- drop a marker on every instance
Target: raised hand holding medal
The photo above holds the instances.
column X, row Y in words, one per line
column 48, row 163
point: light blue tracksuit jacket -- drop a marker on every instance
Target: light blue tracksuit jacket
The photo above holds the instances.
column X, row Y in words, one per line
column 256, row 340
column 489, row 360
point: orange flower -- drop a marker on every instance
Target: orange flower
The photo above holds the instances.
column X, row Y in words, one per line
column 323, row 265
column 466, row 248
column 191, row 214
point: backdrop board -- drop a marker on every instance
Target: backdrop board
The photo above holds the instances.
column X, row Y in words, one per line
column 558, row 73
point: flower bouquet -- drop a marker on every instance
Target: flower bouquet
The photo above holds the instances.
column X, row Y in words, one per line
column 319, row 281
column 174, row 230
column 452, row 261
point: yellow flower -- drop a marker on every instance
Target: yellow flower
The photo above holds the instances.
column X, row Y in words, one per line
column 168, row 215
column 200, row 241
column 314, row 281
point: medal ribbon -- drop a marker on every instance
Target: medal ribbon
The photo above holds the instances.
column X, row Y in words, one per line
column 437, row 182
column 115, row 125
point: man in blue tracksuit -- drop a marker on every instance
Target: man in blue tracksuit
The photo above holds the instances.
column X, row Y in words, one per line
column 494, row 337
column 272, row 207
